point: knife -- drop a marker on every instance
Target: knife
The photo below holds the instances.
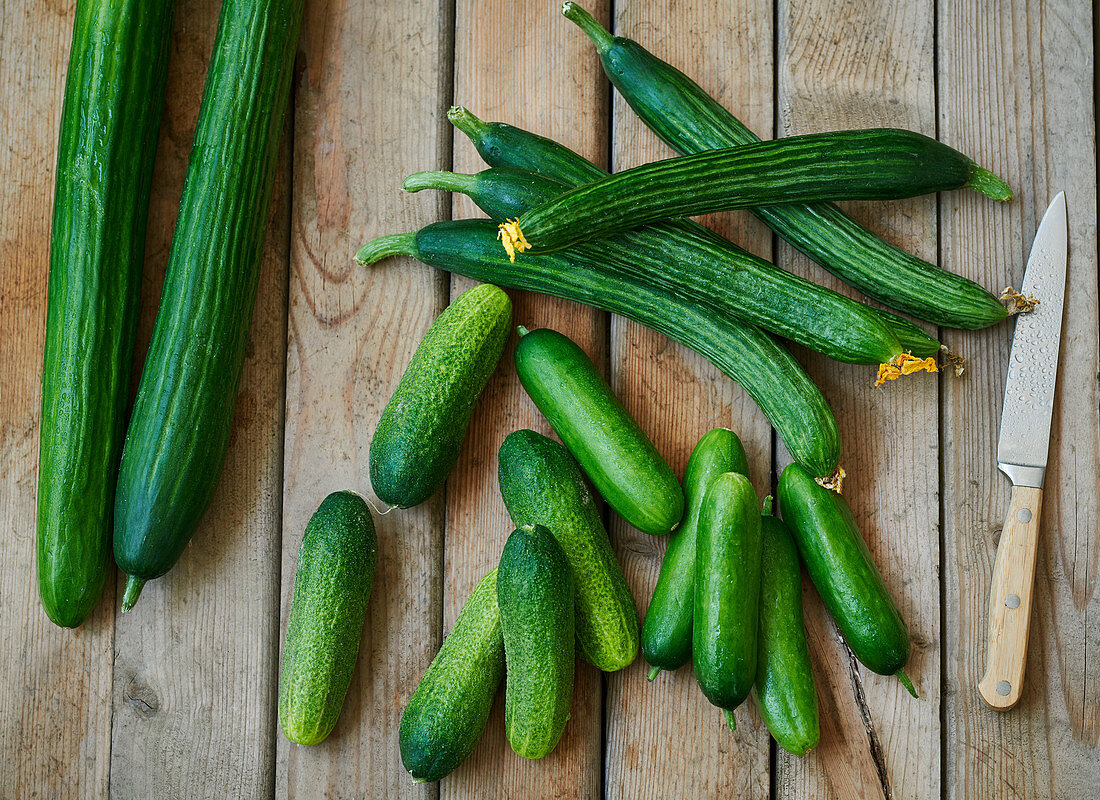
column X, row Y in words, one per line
column 1022, row 456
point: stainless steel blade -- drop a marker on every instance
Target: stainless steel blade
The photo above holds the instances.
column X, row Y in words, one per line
column 1032, row 367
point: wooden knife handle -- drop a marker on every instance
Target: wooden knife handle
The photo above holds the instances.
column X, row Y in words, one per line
column 1010, row 600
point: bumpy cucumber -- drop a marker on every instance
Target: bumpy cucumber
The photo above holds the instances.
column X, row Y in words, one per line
column 535, row 594
column 420, row 432
column 446, row 715
column 727, row 592
column 542, row 484
column 784, row 692
column 666, row 633
column 621, row 461
column 332, row 585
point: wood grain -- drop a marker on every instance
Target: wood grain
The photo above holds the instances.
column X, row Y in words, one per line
column 844, row 64
column 369, row 109
column 1016, row 93
column 666, row 733
column 194, row 677
column 55, row 684
column 547, row 80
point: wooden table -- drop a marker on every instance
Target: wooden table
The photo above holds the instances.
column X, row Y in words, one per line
column 177, row 698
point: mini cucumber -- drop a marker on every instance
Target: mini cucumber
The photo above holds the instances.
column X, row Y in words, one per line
column 535, row 594
column 542, row 484
column 666, row 634
column 727, row 592
column 612, row 449
column 837, row 558
column 784, row 692
column 421, row 430
column 446, row 715
column 332, row 585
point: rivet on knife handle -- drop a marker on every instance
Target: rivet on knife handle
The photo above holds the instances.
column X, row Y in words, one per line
column 1010, row 601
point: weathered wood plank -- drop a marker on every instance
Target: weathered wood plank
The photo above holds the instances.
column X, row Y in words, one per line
column 666, row 733
column 545, row 80
column 194, row 679
column 857, row 64
column 1016, row 93
column 55, row 684
column 368, row 110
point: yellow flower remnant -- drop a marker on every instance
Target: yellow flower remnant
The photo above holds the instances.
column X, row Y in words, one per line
column 512, row 238
column 904, row 364
column 834, row 482
column 1018, row 303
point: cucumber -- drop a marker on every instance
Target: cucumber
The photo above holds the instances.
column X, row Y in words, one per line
column 869, row 164
column 768, row 372
column 666, row 634
column 446, row 715
column 332, row 586
column 840, row 565
column 535, row 594
column 114, row 92
column 690, row 121
column 420, row 432
column 180, row 428
column 784, row 691
column 542, row 484
column 727, row 592
column 619, row 459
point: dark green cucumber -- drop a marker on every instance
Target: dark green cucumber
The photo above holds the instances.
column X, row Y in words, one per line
column 837, row 558
column 784, row 692
column 179, row 431
column 690, row 121
column 727, row 592
column 612, row 449
column 913, row 338
column 687, row 260
column 535, row 594
column 332, row 586
column 666, row 634
column 419, row 434
column 770, row 375
column 542, row 484
column 446, row 715
column 869, row 164
column 114, row 92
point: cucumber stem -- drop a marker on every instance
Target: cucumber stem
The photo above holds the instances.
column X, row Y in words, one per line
column 132, row 592
column 466, row 122
column 396, row 244
column 984, row 181
column 728, row 714
column 444, row 181
column 766, row 511
column 652, row 673
column 587, row 23
column 908, row 684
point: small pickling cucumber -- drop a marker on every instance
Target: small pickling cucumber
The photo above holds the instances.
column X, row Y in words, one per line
column 840, row 565
column 542, row 484
column 332, row 585
column 784, row 692
column 621, row 461
column 666, row 633
column 446, row 715
column 535, row 594
column 421, row 430
column 727, row 592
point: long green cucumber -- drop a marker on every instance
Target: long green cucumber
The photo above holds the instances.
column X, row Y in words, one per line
column 179, row 431
column 421, row 430
column 535, row 594
column 868, row 164
column 727, row 592
column 689, row 120
column 332, row 586
column 612, row 449
column 446, row 715
column 114, row 92
column 770, row 375
column 784, row 692
column 542, row 484
column 840, row 565
column 666, row 633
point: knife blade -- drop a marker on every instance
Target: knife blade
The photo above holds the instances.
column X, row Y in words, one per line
column 1022, row 451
